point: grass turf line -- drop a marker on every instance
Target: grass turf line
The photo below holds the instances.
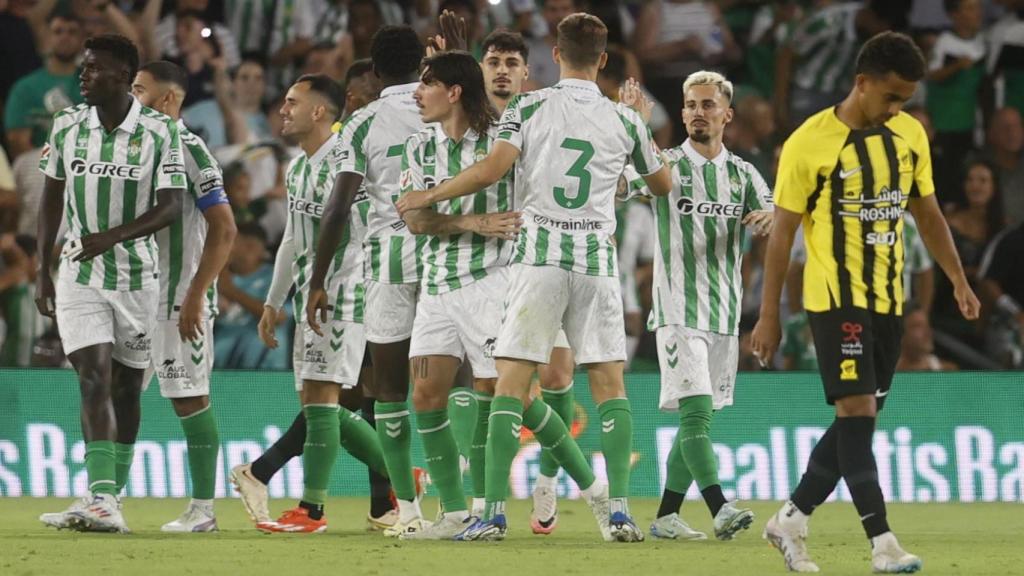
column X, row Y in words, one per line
column 977, row 539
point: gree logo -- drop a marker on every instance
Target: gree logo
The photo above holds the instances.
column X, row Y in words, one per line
column 688, row 207
column 80, row 167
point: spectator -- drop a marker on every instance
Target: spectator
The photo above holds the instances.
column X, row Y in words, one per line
column 1002, row 287
column 291, row 37
column 36, row 97
column 238, row 187
column 249, row 22
column 954, row 79
column 8, row 196
column 543, row 70
column 165, row 34
column 17, row 304
column 773, row 23
column 242, row 288
column 1006, row 152
column 675, row 38
column 798, row 351
column 17, row 43
column 1006, row 42
column 235, row 116
column 922, row 116
column 752, row 135
column 973, row 226
column 196, row 51
column 613, row 76
column 28, row 186
column 475, row 30
column 812, row 66
column 917, row 350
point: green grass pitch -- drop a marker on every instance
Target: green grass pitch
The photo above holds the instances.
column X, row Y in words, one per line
column 975, row 539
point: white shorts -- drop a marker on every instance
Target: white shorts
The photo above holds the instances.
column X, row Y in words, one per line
column 390, row 311
column 337, row 356
column 88, row 316
column 696, row 363
column 543, row 299
column 182, row 368
column 462, row 323
column 561, row 341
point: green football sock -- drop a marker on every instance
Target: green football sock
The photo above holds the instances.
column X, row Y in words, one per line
column 100, row 467
column 395, row 435
column 442, row 455
column 551, row 433
column 563, row 402
column 203, row 445
column 677, row 477
column 360, row 440
column 617, row 444
column 478, row 455
column 505, row 427
column 462, row 409
column 695, row 439
column 124, row 454
column 320, row 451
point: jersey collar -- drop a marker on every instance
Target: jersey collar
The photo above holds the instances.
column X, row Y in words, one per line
column 698, row 159
column 323, row 150
column 399, row 89
column 130, row 122
column 580, row 84
column 470, row 134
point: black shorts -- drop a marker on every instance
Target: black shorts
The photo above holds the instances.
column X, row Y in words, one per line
column 857, row 351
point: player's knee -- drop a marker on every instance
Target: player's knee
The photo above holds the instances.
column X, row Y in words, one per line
column 861, row 405
column 427, row 395
column 185, row 407
column 696, row 416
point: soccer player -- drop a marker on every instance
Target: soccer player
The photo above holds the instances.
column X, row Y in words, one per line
column 572, row 145
column 505, row 64
column 370, row 149
column 464, row 280
column 697, row 294
column 193, row 251
column 848, row 173
column 251, row 479
column 329, row 361
column 114, row 167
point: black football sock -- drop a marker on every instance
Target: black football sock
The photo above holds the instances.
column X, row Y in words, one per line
column 316, row 511
column 714, row 498
column 857, row 463
column 287, row 447
column 822, row 474
column 671, row 502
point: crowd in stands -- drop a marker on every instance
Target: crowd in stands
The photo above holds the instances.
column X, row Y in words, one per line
column 788, row 59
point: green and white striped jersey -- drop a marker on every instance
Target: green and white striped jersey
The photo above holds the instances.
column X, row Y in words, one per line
column 249, row 20
column 574, row 144
column 826, row 47
column 431, row 157
column 371, row 145
column 181, row 244
column 698, row 236
column 915, row 255
column 111, row 179
column 310, row 181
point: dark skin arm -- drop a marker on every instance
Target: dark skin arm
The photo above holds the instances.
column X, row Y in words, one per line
column 50, row 210
column 168, row 207
column 333, row 222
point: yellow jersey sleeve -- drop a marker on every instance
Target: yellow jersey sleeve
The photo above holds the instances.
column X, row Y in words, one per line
column 924, row 184
column 795, row 181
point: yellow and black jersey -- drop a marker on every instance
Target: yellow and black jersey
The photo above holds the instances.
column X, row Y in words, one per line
column 852, row 187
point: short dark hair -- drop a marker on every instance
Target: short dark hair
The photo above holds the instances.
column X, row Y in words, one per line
column 372, row 3
column 325, row 86
column 250, row 57
column 66, row 15
column 396, row 51
column 119, row 47
column 253, row 229
column 615, row 68
column 455, row 4
column 357, row 69
column 456, row 67
column 505, row 40
column 167, row 73
column 891, row 52
column 581, row 39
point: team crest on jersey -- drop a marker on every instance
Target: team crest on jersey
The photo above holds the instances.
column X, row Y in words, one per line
column 134, row 148
column 82, row 141
column 736, row 184
column 848, row 370
column 479, row 156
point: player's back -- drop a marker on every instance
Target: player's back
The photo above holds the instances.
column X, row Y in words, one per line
column 574, row 145
column 372, row 142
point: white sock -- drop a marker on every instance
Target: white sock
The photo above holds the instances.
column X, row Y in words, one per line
column 478, row 506
column 618, row 505
column 408, row 511
column 592, row 491
column 458, row 516
column 790, row 515
column 205, row 505
column 547, row 482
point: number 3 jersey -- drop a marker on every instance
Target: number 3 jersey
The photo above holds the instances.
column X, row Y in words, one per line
column 574, row 144
column 310, row 181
